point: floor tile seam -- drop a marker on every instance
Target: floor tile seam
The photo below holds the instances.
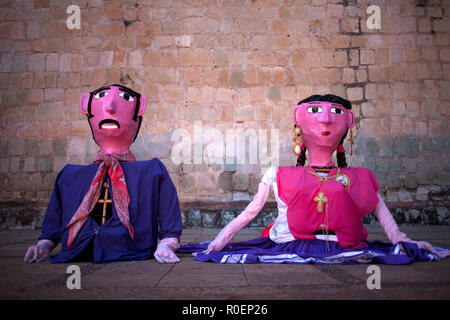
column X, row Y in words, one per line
column 339, row 285
column 256, row 287
column 338, row 274
column 164, row 275
column 421, row 285
column 245, row 274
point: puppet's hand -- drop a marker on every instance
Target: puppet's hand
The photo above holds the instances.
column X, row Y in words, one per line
column 428, row 246
column 39, row 252
column 165, row 251
column 217, row 244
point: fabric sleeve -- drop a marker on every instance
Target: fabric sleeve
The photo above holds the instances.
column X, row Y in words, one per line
column 388, row 223
column 259, row 200
column 246, row 216
column 171, row 243
column 169, row 208
column 270, row 176
column 51, row 225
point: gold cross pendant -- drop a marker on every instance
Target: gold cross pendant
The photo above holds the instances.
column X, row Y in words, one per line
column 321, row 198
column 105, row 202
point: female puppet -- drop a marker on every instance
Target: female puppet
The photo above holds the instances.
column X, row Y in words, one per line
column 143, row 203
column 320, row 206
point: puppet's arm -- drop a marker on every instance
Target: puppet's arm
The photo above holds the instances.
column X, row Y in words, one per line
column 39, row 252
column 391, row 229
column 227, row 233
column 51, row 226
column 388, row 223
column 169, row 219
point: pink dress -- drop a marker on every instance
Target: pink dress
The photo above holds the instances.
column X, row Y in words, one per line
column 342, row 211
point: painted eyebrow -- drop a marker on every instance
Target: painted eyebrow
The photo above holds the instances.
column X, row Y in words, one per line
column 100, row 89
column 131, row 93
column 333, row 104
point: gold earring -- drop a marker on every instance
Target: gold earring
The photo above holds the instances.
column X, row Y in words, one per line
column 297, row 140
column 352, row 142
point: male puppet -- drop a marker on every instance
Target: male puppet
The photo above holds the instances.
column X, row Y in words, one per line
column 143, row 196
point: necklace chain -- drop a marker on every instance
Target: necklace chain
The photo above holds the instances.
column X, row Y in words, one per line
column 326, row 178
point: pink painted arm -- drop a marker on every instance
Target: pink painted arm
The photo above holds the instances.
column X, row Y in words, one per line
column 388, row 223
column 393, row 233
column 230, row 230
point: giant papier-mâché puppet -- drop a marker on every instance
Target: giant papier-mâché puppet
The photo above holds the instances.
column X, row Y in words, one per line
column 142, row 206
column 320, row 206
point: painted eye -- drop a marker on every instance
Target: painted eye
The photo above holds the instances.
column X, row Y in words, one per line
column 126, row 96
column 336, row 110
column 101, row 95
column 314, row 109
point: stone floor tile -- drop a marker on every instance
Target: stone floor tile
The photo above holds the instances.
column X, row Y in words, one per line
column 203, row 280
column 188, row 265
column 133, row 274
column 195, row 280
column 285, row 274
column 17, row 275
column 175, row 278
column 399, row 274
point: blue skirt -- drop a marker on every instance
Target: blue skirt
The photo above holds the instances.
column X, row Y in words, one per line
column 264, row 250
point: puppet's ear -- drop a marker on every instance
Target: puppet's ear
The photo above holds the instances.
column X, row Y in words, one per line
column 350, row 119
column 142, row 105
column 84, row 101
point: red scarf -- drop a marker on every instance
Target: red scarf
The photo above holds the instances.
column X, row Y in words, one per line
column 118, row 188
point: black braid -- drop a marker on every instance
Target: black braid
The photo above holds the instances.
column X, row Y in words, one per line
column 301, row 158
column 340, row 156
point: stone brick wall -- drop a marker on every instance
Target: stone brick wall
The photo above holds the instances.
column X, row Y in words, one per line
column 227, row 64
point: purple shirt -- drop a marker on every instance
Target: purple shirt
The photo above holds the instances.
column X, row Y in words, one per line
column 153, row 203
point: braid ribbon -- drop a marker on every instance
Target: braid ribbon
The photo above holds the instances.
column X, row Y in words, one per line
column 302, row 146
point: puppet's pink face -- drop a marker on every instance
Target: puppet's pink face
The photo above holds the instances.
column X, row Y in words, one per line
column 322, row 124
column 112, row 117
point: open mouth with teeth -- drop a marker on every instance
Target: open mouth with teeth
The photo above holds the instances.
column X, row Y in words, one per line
column 109, row 124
